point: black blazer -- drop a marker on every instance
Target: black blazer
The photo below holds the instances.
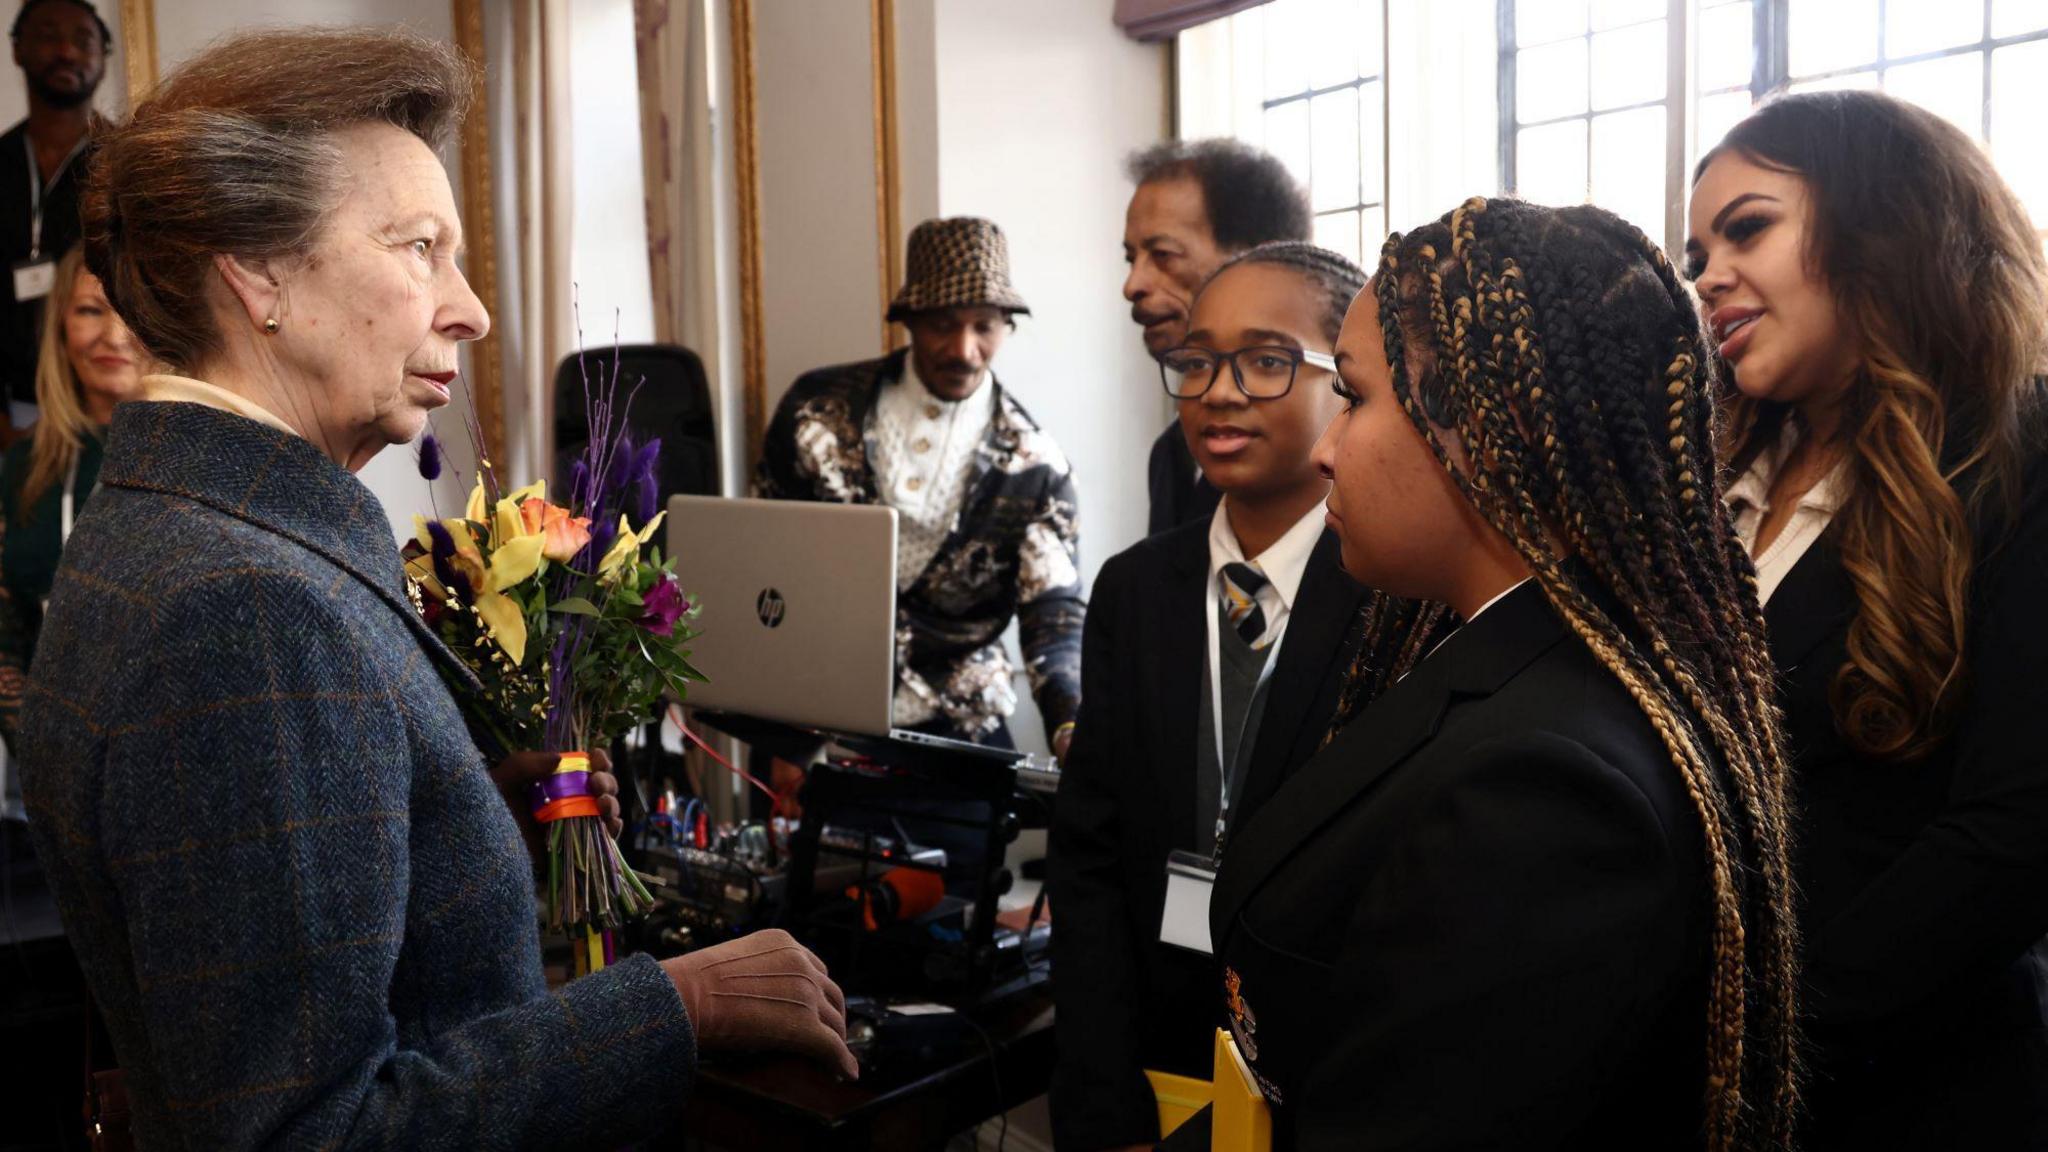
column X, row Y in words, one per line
column 1925, row 885
column 1127, row 798
column 1478, row 919
column 1179, row 495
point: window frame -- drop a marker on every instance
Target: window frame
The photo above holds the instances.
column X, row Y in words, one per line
column 1770, row 72
column 1357, row 84
column 1245, row 104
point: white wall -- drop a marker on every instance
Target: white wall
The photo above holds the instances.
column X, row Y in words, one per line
column 820, row 283
column 1024, row 114
column 1038, row 105
column 609, row 252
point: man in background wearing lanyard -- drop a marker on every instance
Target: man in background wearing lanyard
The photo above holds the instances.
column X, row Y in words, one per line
column 61, row 47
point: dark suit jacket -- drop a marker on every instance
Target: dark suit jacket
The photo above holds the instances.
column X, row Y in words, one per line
column 21, row 325
column 1178, row 495
column 1478, row 918
column 297, row 896
column 1926, row 884
column 1127, row 798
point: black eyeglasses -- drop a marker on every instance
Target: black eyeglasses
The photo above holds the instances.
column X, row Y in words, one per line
column 1262, row 372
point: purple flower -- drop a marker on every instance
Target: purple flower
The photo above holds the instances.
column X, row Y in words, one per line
column 646, row 483
column 646, row 459
column 443, row 553
column 579, row 484
column 618, row 471
column 662, row 605
column 430, row 456
column 602, row 533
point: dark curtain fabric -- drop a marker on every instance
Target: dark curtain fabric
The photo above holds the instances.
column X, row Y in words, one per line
column 1162, row 19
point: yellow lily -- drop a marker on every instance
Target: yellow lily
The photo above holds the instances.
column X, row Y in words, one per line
column 502, row 615
column 516, row 558
column 626, row 548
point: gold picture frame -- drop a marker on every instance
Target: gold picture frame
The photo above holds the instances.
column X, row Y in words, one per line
column 747, row 178
column 888, row 181
column 480, row 231
column 138, row 47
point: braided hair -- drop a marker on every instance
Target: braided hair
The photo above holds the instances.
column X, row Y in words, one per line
column 1562, row 350
column 1338, row 279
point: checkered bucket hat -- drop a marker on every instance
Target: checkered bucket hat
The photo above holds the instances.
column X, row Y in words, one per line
column 963, row 262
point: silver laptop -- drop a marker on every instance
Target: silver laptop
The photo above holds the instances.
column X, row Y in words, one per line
column 799, row 620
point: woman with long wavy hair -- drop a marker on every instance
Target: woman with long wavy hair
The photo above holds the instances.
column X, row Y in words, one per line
column 1535, row 894
column 1880, row 301
column 88, row 363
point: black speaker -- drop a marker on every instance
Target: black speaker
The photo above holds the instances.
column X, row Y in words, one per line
column 671, row 399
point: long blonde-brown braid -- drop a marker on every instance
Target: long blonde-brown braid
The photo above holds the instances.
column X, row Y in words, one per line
column 1560, row 350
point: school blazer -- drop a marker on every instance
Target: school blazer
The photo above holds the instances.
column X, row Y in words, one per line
column 1925, row 885
column 1127, row 798
column 1478, row 919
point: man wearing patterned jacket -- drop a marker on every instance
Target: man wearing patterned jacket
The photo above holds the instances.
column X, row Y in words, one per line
column 987, row 522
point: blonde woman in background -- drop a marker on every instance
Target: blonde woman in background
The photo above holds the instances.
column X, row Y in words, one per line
column 88, row 363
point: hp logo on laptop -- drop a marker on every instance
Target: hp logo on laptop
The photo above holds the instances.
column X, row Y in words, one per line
column 769, row 607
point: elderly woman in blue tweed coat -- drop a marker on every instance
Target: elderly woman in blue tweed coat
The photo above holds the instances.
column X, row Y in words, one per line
column 295, row 889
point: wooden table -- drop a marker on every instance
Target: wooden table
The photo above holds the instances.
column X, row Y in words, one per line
column 785, row 1103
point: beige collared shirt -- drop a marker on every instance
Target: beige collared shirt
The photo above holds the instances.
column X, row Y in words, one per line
column 167, row 388
column 1749, row 501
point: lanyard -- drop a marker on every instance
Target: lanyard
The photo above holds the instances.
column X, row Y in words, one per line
column 68, row 507
column 1231, row 768
column 35, row 190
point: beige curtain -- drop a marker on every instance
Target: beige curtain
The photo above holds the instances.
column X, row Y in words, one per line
column 686, row 158
column 535, row 204
column 690, row 259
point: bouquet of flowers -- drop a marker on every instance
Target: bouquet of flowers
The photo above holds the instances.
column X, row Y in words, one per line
column 575, row 627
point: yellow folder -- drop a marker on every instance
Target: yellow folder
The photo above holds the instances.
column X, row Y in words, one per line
column 1241, row 1120
column 1179, row 1098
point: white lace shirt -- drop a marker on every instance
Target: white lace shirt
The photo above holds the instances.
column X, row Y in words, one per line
column 922, row 451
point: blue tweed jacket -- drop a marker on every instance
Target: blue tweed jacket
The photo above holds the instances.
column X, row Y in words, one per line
column 304, row 909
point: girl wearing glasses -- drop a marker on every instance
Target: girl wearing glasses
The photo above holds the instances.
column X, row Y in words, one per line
column 1880, row 301
column 1211, row 665
column 1535, row 895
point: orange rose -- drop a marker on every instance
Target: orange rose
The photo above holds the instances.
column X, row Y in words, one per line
column 563, row 535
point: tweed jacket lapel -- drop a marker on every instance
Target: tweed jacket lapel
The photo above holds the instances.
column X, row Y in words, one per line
column 275, row 481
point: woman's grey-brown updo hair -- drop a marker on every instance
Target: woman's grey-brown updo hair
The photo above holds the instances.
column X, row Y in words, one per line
column 234, row 155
